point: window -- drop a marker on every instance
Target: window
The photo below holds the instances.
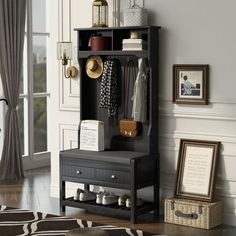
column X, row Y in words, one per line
column 34, row 96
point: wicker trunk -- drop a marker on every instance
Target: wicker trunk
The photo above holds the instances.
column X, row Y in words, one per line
column 198, row 214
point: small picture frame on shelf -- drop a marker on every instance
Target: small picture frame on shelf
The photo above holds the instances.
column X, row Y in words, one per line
column 190, row 84
column 196, row 169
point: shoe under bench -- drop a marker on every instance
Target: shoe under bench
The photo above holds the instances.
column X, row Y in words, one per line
column 127, row 170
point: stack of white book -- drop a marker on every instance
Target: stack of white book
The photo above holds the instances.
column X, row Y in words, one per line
column 133, row 45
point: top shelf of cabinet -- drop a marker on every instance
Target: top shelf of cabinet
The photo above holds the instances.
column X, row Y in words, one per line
column 119, row 28
column 116, row 36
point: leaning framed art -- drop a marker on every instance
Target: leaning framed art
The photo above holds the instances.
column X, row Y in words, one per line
column 190, row 84
column 196, row 169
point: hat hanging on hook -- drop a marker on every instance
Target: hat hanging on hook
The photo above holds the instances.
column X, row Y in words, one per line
column 94, row 67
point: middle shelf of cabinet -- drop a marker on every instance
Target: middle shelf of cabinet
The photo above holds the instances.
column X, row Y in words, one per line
column 139, row 54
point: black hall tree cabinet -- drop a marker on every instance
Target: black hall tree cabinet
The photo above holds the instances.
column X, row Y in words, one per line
column 126, row 163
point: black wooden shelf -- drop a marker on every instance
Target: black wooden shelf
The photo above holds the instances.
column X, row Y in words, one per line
column 115, row 208
column 119, row 28
column 141, row 54
column 133, row 161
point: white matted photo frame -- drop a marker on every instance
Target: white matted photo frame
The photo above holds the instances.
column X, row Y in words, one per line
column 190, row 84
column 196, row 169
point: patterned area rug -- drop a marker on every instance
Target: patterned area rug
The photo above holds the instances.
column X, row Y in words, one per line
column 16, row 222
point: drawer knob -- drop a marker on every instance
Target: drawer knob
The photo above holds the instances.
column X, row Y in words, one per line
column 78, row 172
column 113, row 177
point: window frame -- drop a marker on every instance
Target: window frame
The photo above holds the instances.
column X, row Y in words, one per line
column 28, row 94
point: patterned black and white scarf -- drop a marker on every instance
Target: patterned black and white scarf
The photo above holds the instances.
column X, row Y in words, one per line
column 108, row 94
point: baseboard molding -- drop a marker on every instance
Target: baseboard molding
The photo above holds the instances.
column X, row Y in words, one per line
column 229, row 219
column 70, row 189
column 38, row 161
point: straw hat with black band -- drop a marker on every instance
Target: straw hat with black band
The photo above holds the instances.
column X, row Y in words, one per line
column 94, row 67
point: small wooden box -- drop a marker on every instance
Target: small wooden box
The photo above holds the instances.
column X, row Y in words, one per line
column 193, row 213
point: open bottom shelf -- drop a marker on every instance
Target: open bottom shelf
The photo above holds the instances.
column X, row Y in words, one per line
column 112, row 208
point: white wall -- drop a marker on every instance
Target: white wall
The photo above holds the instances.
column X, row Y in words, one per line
column 65, row 15
column 192, row 32
column 198, row 32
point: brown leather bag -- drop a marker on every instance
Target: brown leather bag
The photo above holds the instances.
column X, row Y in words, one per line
column 128, row 128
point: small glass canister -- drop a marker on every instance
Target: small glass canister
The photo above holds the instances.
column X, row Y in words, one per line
column 100, row 13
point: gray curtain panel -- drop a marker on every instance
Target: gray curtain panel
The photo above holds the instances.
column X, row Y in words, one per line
column 12, row 31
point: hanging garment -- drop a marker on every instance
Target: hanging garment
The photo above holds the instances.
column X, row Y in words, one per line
column 128, row 127
column 139, row 111
column 108, row 93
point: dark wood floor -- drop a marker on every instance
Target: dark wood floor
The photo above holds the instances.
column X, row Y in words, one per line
column 33, row 193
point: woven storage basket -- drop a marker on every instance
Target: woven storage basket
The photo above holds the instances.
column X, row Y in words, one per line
column 193, row 213
column 135, row 16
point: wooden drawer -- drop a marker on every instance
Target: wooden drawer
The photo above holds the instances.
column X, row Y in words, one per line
column 78, row 171
column 112, row 176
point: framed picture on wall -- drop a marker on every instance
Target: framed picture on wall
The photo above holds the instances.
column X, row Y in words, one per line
column 196, row 169
column 190, row 84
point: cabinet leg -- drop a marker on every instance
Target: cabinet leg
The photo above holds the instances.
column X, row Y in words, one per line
column 156, row 190
column 133, row 206
column 133, row 219
column 62, row 195
column 62, row 208
column 86, row 186
column 133, row 195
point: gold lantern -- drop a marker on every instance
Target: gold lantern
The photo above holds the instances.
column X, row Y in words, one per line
column 100, row 13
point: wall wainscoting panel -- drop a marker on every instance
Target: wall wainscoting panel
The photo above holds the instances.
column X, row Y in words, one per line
column 196, row 125
column 69, row 88
column 169, row 158
column 69, row 140
column 68, row 136
column 69, row 99
column 216, row 110
column 224, row 188
column 176, row 134
column 170, row 140
column 215, row 122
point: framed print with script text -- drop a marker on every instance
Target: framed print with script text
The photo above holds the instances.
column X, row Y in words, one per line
column 196, row 169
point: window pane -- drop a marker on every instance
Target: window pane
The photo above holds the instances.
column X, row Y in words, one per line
column 25, row 67
column 39, row 64
column 21, row 123
column 40, row 124
column 39, row 15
